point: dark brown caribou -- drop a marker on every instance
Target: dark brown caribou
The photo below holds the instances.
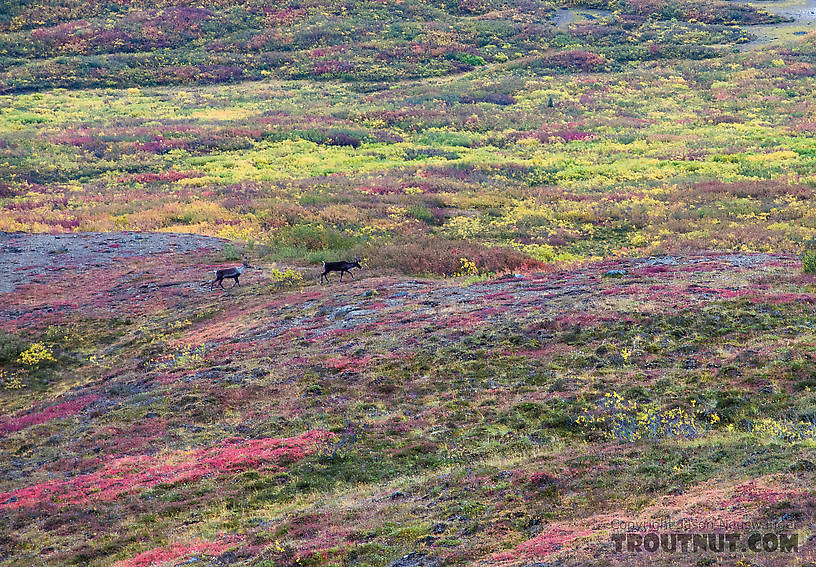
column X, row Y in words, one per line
column 342, row 267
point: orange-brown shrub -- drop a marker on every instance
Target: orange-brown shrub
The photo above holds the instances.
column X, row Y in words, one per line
column 755, row 189
column 444, row 257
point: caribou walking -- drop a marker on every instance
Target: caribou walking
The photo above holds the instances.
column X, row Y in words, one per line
column 342, row 267
column 228, row 273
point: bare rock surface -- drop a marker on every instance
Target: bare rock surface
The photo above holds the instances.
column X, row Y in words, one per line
column 30, row 258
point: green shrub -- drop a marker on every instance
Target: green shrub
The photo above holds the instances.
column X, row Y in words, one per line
column 422, row 213
column 468, row 59
column 312, row 237
column 231, row 252
column 11, row 347
column 809, row 258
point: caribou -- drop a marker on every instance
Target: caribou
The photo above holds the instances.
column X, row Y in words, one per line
column 342, row 267
column 228, row 273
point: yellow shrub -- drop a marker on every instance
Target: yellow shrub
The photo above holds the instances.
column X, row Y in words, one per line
column 36, row 355
column 468, row 268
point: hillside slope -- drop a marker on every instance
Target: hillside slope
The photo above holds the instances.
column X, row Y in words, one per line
column 396, row 421
column 83, row 43
column 583, row 308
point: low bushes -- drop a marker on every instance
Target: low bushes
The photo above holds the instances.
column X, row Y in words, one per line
column 809, row 258
column 444, row 257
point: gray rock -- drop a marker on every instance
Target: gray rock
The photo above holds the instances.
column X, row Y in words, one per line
column 661, row 261
column 341, row 312
column 615, row 274
column 416, row 559
column 350, row 311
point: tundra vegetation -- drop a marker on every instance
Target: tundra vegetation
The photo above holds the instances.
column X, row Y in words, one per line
column 480, row 394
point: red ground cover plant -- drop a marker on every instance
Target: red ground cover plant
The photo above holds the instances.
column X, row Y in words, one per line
column 341, row 364
column 64, row 409
column 128, row 475
column 550, row 541
column 156, row 177
column 163, row 555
